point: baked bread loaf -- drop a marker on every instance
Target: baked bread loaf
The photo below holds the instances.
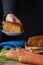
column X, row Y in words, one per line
column 11, row 26
column 35, row 41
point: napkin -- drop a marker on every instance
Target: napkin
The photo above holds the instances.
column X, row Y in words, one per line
column 12, row 44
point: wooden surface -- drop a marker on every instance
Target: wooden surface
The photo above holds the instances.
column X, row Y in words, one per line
column 13, row 63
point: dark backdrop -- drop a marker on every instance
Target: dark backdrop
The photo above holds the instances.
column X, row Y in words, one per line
column 1, row 18
column 30, row 12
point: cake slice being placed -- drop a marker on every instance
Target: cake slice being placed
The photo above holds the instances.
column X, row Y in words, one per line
column 11, row 26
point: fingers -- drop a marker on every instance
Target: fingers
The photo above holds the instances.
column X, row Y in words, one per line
column 12, row 18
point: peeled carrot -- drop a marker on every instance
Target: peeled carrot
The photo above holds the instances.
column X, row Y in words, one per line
column 32, row 58
column 25, row 56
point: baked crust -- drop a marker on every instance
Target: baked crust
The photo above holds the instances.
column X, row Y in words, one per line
column 11, row 26
column 35, row 41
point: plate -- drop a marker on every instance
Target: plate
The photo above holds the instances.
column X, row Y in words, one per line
column 34, row 49
column 12, row 33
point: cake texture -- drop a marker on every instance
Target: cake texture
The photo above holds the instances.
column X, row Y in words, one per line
column 35, row 41
column 11, row 26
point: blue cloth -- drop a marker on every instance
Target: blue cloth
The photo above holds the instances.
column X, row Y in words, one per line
column 12, row 44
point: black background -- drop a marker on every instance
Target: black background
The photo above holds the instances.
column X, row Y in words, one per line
column 30, row 12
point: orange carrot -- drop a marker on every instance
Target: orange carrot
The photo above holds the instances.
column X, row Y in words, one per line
column 32, row 58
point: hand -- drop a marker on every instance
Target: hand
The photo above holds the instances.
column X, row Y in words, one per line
column 12, row 18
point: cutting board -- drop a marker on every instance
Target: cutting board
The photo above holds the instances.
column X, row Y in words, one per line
column 13, row 63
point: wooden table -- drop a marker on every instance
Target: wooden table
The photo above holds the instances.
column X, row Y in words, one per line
column 13, row 63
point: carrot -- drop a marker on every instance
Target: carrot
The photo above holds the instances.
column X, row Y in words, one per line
column 14, row 53
column 32, row 58
column 25, row 56
column 10, row 54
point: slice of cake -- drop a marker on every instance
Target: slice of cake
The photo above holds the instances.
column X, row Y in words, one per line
column 11, row 26
column 35, row 41
column 35, row 44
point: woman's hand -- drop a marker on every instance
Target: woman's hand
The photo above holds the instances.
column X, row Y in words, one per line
column 12, row 18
